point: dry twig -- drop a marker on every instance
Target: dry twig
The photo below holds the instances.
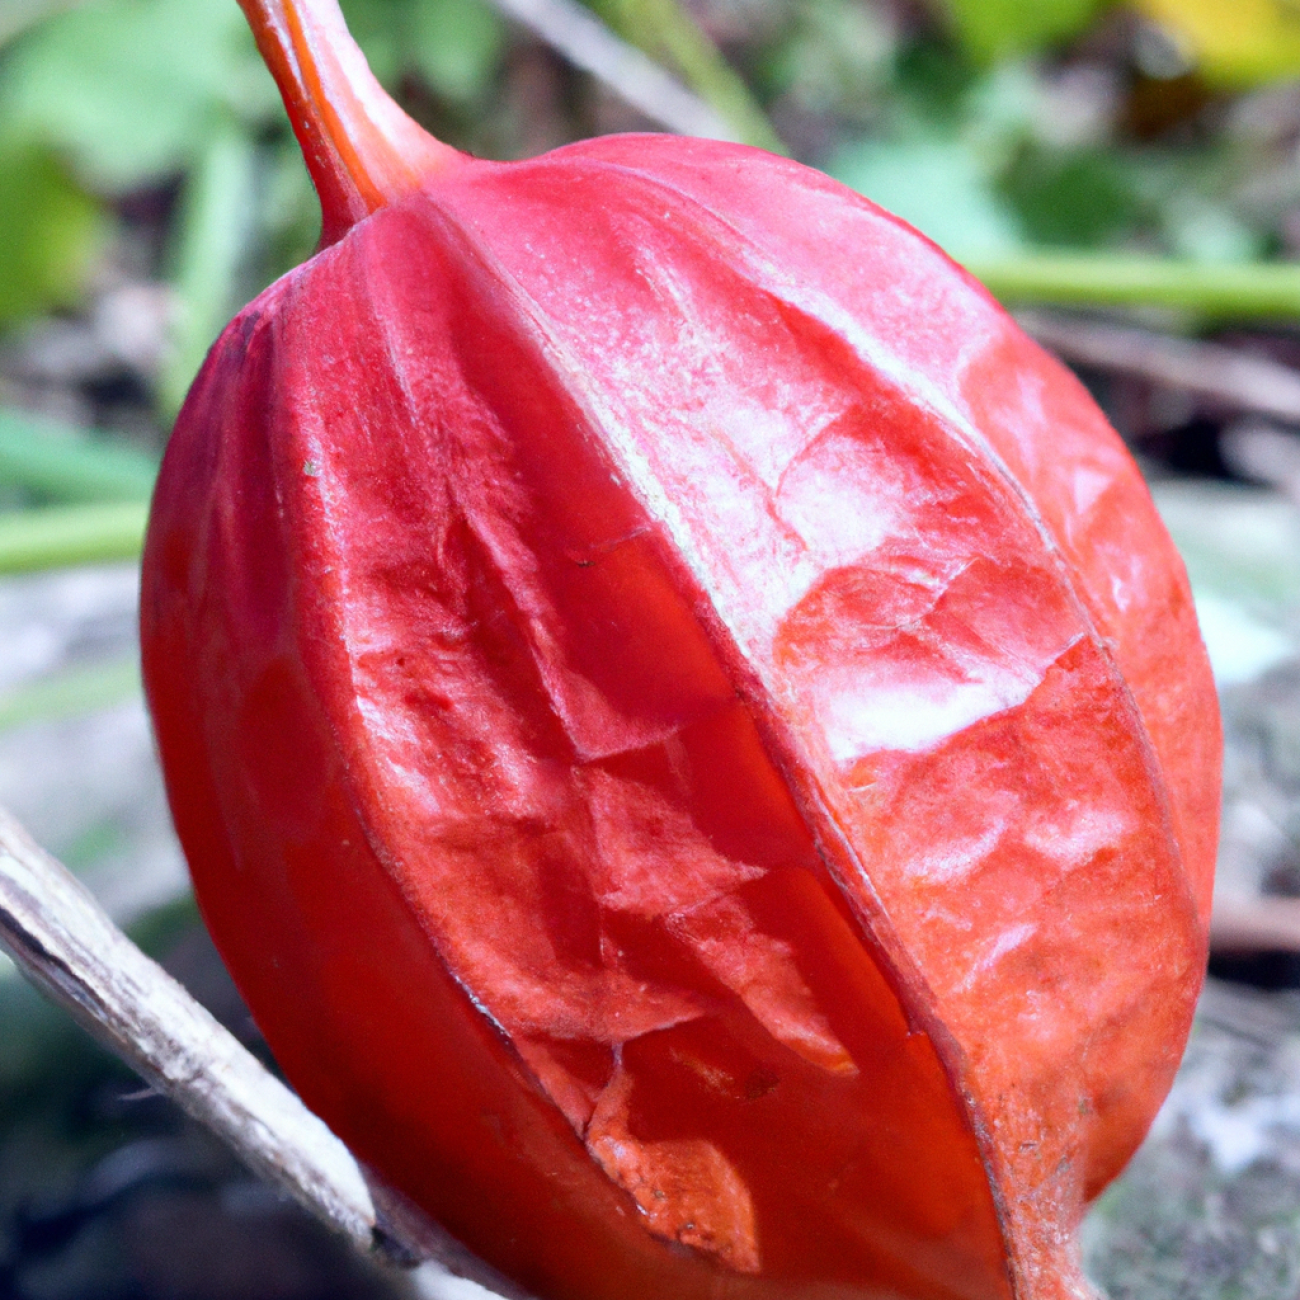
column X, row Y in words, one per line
column 586, row 42
column 1265, row 923
column 66, row 944
column 1259, row 450
column 1208, row 369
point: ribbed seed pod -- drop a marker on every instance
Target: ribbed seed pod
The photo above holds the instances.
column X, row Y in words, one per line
column 686, row 726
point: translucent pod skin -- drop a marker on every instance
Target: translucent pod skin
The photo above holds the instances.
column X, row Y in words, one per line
column 688, row 732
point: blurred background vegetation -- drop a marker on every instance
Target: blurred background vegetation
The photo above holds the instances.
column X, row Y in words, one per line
column 1138, row 160
column 149, row 182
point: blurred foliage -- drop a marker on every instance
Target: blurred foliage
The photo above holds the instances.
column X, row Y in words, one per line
column 55, row 464
column 143, row 138
column 130, row 90
column 213, row 229
column 994, row 29
column 50, row 231
column 110, row 98
column 668, row 32
column 942, row 186
column 454, row 45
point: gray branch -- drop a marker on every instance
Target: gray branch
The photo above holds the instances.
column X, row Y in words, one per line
column 586, row 42
column 68, row 947
column 1209, row 369
column 1255, row 924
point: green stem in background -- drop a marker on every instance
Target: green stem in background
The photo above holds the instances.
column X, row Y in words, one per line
column 80, row 690
column 665, row 29
column 1223, row 290
column 65, row 464
column 64, row 535
column 211, row 243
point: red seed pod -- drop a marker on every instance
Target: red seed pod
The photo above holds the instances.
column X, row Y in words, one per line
column 686, row 726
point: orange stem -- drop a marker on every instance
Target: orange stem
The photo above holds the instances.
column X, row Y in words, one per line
column 363, row 152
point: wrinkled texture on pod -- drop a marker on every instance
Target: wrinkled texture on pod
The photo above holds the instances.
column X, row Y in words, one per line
column 688, row 732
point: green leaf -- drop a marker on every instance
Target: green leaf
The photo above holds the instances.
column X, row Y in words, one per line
column 212, row 242
column 939, row 186
column 130, row 89
column 16, row 16
column 457, row 46
column 50, row 233
column 289, row 216
column 993, row 29
column 1070, row 198
column 64, row 464
column 379, row 27
column 1202, row 230
column 933, row 83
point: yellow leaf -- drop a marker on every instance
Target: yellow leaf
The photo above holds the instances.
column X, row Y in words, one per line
column 1236, row 42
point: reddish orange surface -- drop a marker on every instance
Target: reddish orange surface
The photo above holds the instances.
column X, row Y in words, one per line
column 688, row 732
